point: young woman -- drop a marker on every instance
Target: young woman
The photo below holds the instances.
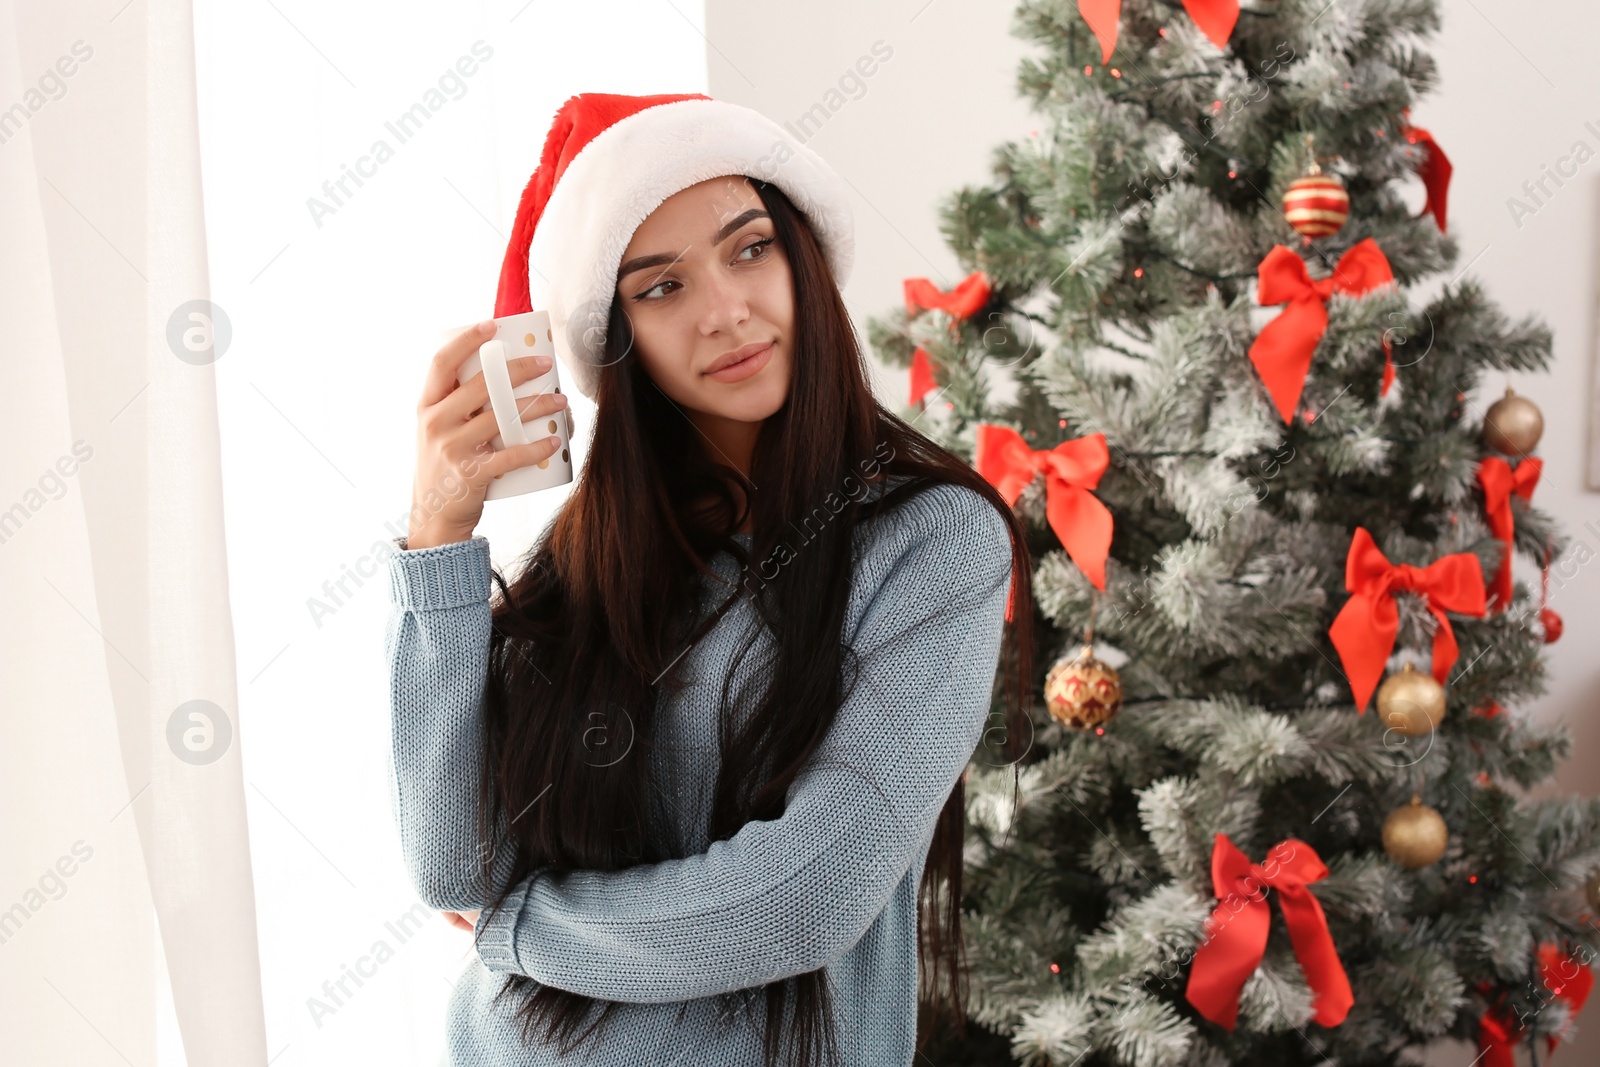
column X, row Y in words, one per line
column 694, row 777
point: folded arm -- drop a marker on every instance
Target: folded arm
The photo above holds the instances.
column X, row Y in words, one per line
column 437, row 645
column 793, row 894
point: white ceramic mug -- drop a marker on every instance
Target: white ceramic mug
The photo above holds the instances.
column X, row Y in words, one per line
column 515, row 336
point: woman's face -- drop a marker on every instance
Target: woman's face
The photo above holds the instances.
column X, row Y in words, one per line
column 702, row 278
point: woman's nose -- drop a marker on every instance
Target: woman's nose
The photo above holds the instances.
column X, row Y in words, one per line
column 725, row 304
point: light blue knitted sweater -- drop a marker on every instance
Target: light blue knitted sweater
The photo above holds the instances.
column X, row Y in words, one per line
column 831, row 883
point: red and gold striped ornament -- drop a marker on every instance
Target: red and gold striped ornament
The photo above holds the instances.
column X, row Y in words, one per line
column 1316, row 204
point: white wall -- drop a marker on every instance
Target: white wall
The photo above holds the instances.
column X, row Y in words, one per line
column 922, row 125
column 1514, row 97
column 1514, row 94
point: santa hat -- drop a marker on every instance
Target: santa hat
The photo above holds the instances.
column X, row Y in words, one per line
column 608, row 162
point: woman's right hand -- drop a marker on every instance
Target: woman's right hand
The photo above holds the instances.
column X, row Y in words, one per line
column 467, row 921
column 455, row 425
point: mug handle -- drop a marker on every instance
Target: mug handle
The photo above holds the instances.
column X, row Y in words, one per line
column 497, row 376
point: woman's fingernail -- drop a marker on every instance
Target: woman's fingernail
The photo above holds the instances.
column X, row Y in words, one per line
column 486, row 326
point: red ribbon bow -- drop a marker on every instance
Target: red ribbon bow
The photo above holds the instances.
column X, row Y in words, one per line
column 1434, row 170
column 962, row 302
column 1214, row 17
column 1282, row 351
column 1565, row 977
column 1500, row 483
column 1365, row 628
column 1071, row 469
column 1236, row 934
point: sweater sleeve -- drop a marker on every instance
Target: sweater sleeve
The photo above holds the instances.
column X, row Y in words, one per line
column 437, row 645
column 790, row 895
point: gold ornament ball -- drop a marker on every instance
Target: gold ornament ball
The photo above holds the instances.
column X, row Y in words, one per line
column 1083, row 692
column 1415, row 835
column 1591, row 891
column 1513, row 425
column 1316, row 204
column 1410, row 702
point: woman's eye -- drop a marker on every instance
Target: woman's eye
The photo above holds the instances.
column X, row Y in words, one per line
column 762, row 244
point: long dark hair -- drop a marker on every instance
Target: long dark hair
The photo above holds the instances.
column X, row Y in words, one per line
column 605, row 602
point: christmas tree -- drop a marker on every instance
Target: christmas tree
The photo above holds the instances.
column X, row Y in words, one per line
column 1241, row 392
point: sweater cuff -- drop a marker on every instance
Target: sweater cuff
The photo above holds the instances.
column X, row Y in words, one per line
column 443, row 576
column 495, row 936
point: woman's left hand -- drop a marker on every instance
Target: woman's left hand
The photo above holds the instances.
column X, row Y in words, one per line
column 466, row 920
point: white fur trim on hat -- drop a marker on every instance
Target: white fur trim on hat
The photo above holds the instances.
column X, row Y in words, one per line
column 625, row 173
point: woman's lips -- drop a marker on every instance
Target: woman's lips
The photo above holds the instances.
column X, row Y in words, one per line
column 744, row 368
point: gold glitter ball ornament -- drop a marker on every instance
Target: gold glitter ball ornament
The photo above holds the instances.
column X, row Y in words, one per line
column 1513, row 425
column 1415, row 835
column 1083, row 692
column 1410, row 702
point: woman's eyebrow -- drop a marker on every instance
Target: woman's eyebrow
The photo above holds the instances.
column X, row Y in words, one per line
column 662, row 259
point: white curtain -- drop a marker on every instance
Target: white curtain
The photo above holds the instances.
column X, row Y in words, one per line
column 122, row 778
column 207, row 432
